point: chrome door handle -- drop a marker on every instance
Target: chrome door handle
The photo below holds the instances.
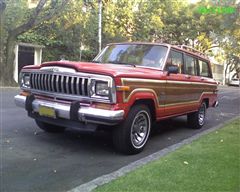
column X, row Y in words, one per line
column 188, row 76
column 202, row 78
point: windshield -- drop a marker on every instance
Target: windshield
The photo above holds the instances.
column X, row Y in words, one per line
column 134, row 54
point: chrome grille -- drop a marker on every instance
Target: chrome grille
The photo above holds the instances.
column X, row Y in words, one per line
column 59, row 83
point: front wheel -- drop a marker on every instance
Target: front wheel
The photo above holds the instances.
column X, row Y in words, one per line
column 131, row 136
column 49, row 127
column 197, row 119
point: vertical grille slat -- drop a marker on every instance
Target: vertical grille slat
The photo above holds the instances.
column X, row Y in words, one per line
column 82, row 87
column 52, row 83
column 70, row 84
column 56, row 83
column 62, row 83
column 78, row 86
column 34, row 81
column 67, row 84
column 49, row 82
column 39, row 81
column 45, row 82
column 59, row 83
column 73, row 85
column 87, row 85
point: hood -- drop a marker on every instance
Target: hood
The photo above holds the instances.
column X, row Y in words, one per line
column 114, row 70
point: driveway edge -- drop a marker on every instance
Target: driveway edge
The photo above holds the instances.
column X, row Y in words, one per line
column 89, row 186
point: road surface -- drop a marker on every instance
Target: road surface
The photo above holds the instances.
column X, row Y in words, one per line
column 32, row 160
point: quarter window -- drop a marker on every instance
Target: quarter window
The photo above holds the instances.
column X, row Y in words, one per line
column 203, row 69
column 190, row 65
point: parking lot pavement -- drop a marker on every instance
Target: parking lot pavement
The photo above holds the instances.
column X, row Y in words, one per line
column 32, row 160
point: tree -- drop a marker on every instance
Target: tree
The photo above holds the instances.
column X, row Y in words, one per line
column 14, row 25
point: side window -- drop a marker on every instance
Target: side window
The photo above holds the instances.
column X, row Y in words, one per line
column 203, row 69
column 175, row 58
column 190, row 65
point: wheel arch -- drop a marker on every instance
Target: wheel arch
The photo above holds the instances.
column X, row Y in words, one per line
column 206, row 100
column 150, row 104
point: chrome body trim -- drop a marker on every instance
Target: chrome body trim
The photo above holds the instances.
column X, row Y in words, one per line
column 86, row 114
column 61, row 86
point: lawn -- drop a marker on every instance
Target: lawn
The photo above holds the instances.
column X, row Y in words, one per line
column 211, row 163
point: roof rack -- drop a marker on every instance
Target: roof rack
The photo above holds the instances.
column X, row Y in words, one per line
column 192, row 49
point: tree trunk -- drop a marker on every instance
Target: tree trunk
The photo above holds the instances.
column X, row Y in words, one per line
column 8, row 64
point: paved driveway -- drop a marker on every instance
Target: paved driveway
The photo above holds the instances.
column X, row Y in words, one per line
column 32, row 160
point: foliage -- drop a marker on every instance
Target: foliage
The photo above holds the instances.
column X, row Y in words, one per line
column 18, row 19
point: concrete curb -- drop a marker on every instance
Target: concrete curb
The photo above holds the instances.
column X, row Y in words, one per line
column 89, row 186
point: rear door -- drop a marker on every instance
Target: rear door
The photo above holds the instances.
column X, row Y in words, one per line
column 206, row 83
column 195, row 87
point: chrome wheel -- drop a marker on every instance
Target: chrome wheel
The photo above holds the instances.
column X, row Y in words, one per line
column 201, row 114
column 140, row 129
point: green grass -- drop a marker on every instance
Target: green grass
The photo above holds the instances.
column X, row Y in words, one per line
column 211, row 163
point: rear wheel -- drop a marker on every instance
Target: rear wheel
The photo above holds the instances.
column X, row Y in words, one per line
column 131, row 136
column 197, row 119
column 50, row 127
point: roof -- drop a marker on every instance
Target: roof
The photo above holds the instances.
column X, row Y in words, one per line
column 31, row 45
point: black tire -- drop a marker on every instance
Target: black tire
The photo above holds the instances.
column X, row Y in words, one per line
column 50, row 127
column 197, row 119
column 131, row 136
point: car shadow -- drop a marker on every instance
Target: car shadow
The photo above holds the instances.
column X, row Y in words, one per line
column 101, row 141
column 169, row 125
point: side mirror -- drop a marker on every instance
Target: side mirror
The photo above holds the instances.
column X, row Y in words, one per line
column 172, row 69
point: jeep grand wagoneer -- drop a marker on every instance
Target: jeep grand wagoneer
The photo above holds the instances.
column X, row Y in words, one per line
column 126, row 88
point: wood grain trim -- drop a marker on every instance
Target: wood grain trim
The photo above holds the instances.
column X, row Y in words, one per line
column 123, row 80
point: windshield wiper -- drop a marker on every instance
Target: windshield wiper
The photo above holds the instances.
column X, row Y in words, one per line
column 95, row 61
column 121, row 63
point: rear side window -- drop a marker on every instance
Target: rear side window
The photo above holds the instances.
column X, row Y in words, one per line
column 190, row 65
column 204, row 69
column 175, row 58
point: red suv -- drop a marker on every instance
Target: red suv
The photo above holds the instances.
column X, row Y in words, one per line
column 126, row 88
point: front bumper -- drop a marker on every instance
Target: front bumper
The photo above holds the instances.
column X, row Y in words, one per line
column 84, row 114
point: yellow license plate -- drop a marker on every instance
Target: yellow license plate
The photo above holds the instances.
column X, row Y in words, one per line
column 47, row 111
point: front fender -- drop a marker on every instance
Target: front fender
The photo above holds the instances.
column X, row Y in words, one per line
column 137, row 95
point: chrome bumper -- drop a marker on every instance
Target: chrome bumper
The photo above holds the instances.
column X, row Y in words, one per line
column 85, row 113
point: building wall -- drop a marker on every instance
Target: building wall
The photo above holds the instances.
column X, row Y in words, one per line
column 37, row 57
column 217, row 70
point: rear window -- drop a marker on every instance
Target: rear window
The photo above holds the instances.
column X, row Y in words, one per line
column 204, row 69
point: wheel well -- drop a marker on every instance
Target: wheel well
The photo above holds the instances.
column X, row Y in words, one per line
column 207, row 102
column 150, row 104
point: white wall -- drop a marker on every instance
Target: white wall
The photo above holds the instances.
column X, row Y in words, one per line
column 37, row 59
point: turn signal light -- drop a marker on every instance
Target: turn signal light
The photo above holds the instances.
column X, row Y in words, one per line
column 25, row 93
column 123, row 88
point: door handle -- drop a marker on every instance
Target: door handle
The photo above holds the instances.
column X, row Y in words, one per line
column 188, row 76
column 202, row 78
